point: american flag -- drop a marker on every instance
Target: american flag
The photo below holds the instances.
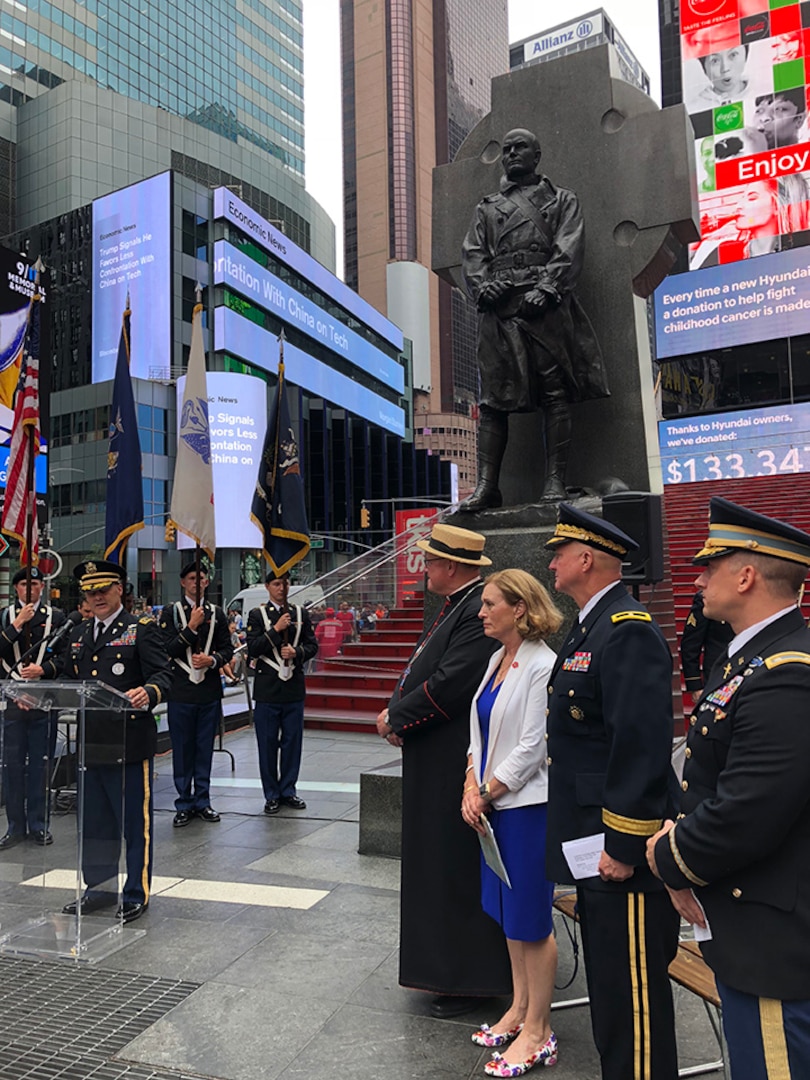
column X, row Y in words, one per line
column 21, row 501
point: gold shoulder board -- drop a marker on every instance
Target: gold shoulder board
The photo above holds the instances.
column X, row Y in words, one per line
column 787, row 658
column 628, row 616
column 146, row 619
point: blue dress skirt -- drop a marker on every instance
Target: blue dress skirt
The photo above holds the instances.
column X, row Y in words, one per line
column 524, row 911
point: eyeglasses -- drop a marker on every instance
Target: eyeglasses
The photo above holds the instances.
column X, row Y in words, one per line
column 427, row 560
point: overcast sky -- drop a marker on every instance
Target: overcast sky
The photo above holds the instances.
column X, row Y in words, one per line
column 636, row 21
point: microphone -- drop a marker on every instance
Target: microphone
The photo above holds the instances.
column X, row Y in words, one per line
column 73, row 619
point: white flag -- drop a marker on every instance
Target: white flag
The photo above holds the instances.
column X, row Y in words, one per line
column 192, row 510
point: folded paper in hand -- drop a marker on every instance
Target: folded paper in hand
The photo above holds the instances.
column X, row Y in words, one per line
column 491, row 851
column 583, row 855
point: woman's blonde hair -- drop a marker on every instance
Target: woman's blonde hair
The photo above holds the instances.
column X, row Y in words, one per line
column 541, row 616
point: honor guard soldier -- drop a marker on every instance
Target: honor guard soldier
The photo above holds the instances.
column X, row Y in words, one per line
column 281, row 640
column 127, row 653
column 29, row 735
column 198, row 642
column 740, row 844
column 609, row 747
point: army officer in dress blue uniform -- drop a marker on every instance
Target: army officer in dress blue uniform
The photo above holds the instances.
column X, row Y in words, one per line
column 609, row 744
column 127, row 653
column 29, row 735
column 741, row 844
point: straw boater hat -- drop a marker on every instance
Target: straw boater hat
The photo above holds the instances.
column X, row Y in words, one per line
column 458, row 545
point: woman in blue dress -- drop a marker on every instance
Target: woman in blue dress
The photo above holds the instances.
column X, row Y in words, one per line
column 507, row 780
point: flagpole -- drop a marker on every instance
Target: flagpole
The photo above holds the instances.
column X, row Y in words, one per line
column 285, row 636
column 30, row 487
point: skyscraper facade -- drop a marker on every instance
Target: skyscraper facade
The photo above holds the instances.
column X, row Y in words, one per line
column 416, row 80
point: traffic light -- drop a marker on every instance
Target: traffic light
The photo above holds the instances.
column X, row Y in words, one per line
column 365, row 518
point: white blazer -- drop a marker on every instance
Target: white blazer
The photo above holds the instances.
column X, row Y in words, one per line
column 517, row 727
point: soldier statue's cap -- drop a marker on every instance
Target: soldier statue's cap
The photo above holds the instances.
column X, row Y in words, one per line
column 735, row 528
column 457, row 545
column 273, row 576
column 96, row 574
column 574, row 524
column 36, row 575
column 191, row 568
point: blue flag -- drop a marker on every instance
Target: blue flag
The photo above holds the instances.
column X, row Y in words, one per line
column 278, row 503
column 124, row 482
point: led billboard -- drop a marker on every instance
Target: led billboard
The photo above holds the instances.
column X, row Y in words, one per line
column 733, row 305
column 735, row 445
column 17, row 279
column 237, row 412
column 231, row 208
column 131, row 256
column 244, row 339
column 245, row 276
column 745, row 85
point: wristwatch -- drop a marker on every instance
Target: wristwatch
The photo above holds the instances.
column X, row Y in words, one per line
column 485, row 793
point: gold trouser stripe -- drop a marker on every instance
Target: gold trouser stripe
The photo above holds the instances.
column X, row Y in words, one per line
column 637, row 956
column 631, row 941
column 147, row 832
column 774, row 1044
column 645, row 996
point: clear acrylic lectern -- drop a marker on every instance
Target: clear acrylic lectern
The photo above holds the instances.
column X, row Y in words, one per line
column 80, row 867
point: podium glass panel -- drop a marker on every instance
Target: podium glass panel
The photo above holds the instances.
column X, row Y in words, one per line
column 63, row 750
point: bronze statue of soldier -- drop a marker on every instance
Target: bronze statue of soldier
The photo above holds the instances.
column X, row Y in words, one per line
column 537, row 351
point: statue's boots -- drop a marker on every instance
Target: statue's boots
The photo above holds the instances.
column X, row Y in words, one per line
column 493, row 433
column 558, row 439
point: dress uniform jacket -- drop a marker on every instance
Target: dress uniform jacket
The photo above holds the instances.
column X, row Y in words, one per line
column 264, row 646
column 178, row 638
column 447, row 944
column 129, row 653
column 743, row 843
column 610, row 739
column 46, row 621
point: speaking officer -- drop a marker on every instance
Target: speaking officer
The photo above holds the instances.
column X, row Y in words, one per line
column 198, row 642
column 281, row 640
column 743, row 843
column 609, row 744
column 448, row 945
column 29, row 735
column 127, row 653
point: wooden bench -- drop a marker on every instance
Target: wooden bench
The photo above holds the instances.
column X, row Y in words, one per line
column 688, row 970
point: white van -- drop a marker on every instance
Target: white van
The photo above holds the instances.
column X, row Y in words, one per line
column 248, row 599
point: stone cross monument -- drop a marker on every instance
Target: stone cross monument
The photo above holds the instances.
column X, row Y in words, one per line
column 631, row 166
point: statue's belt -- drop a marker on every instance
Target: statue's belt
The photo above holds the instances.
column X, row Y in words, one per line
column 518, row 260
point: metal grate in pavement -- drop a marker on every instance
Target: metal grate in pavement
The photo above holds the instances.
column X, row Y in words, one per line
column 61, row 1021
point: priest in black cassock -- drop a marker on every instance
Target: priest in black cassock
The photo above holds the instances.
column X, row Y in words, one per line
column 448, row 946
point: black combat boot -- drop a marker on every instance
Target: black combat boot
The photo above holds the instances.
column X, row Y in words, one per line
column 493, row 433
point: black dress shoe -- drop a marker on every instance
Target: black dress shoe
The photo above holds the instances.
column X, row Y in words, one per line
column 181, row 819
column 293, row 802
column 91, row 902
column 272, row 806
column 208, row 814
column 10, row 840
column 131, row 910
column 445, row 1006
column 41, row 837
